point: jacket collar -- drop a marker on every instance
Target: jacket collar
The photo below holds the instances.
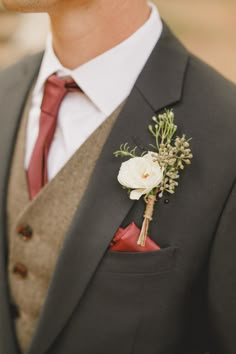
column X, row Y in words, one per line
column 161, row 81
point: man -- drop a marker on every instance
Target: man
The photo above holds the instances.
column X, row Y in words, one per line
column 108, row 68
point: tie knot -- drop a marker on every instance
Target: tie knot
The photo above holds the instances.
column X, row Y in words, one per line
column 55, row 90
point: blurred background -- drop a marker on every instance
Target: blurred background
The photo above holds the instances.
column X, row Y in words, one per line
column 207, row 28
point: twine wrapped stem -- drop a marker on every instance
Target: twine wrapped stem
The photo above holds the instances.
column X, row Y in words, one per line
column 150, row 203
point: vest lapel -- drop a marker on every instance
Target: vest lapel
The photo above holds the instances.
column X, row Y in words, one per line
column 15, row 86
column 105, row 205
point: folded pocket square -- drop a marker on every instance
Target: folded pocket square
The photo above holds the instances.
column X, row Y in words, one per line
column 126, row 239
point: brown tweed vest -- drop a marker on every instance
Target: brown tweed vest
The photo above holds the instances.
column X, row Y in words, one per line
column 36, row 229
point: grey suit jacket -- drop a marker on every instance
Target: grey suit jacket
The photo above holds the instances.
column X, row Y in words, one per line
column 179, row 300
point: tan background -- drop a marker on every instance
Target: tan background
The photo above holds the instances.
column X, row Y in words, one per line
column 207, row 27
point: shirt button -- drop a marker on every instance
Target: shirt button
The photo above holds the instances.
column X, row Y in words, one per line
column 25, row 231
column 20, row 270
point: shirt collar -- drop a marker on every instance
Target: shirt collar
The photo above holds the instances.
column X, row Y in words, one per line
column 109, row 78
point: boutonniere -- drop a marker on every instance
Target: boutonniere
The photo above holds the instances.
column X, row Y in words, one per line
column 156, row 171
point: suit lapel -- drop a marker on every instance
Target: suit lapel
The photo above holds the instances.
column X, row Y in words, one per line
column 105, row 205
column 15, row 84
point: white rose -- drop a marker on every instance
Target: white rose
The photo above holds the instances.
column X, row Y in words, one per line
column 141, row 174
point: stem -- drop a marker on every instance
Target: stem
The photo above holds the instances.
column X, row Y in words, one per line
column 150, row 203
column 157, row 136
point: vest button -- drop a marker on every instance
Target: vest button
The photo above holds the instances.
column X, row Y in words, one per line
column 20, row 270
column 25, row 231
column 15, row 312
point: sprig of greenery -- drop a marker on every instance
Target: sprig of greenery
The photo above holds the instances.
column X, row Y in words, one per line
column 173, row 153
column 173, row 159
column 126, row 151
column 164, row 128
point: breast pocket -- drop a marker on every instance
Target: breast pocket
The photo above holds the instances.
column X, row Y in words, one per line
column 140, row 263
column 136, row 293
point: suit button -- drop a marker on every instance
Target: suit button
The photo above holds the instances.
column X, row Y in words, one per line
column 20, row 270
column 15, row 312
column 25, row 231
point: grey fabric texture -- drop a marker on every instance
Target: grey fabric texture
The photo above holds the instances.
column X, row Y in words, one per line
column 180, row 299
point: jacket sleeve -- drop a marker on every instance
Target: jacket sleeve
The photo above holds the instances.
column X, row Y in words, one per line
column 222, row 282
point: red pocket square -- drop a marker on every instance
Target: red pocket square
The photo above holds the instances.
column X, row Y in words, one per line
column 126, row 239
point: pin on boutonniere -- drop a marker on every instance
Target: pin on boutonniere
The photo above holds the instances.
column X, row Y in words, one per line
column 156, row 171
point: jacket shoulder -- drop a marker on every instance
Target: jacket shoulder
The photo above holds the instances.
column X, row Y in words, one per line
column 210, row 87
column 11, row 74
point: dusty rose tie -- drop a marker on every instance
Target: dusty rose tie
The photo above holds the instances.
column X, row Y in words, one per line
column 54, row 92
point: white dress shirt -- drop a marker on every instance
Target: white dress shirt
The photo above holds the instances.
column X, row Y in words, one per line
column 106, row 81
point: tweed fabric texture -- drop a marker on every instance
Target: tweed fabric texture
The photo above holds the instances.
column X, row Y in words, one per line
column 49, row 215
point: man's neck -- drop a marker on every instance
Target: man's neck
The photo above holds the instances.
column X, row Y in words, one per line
column 82, row 32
